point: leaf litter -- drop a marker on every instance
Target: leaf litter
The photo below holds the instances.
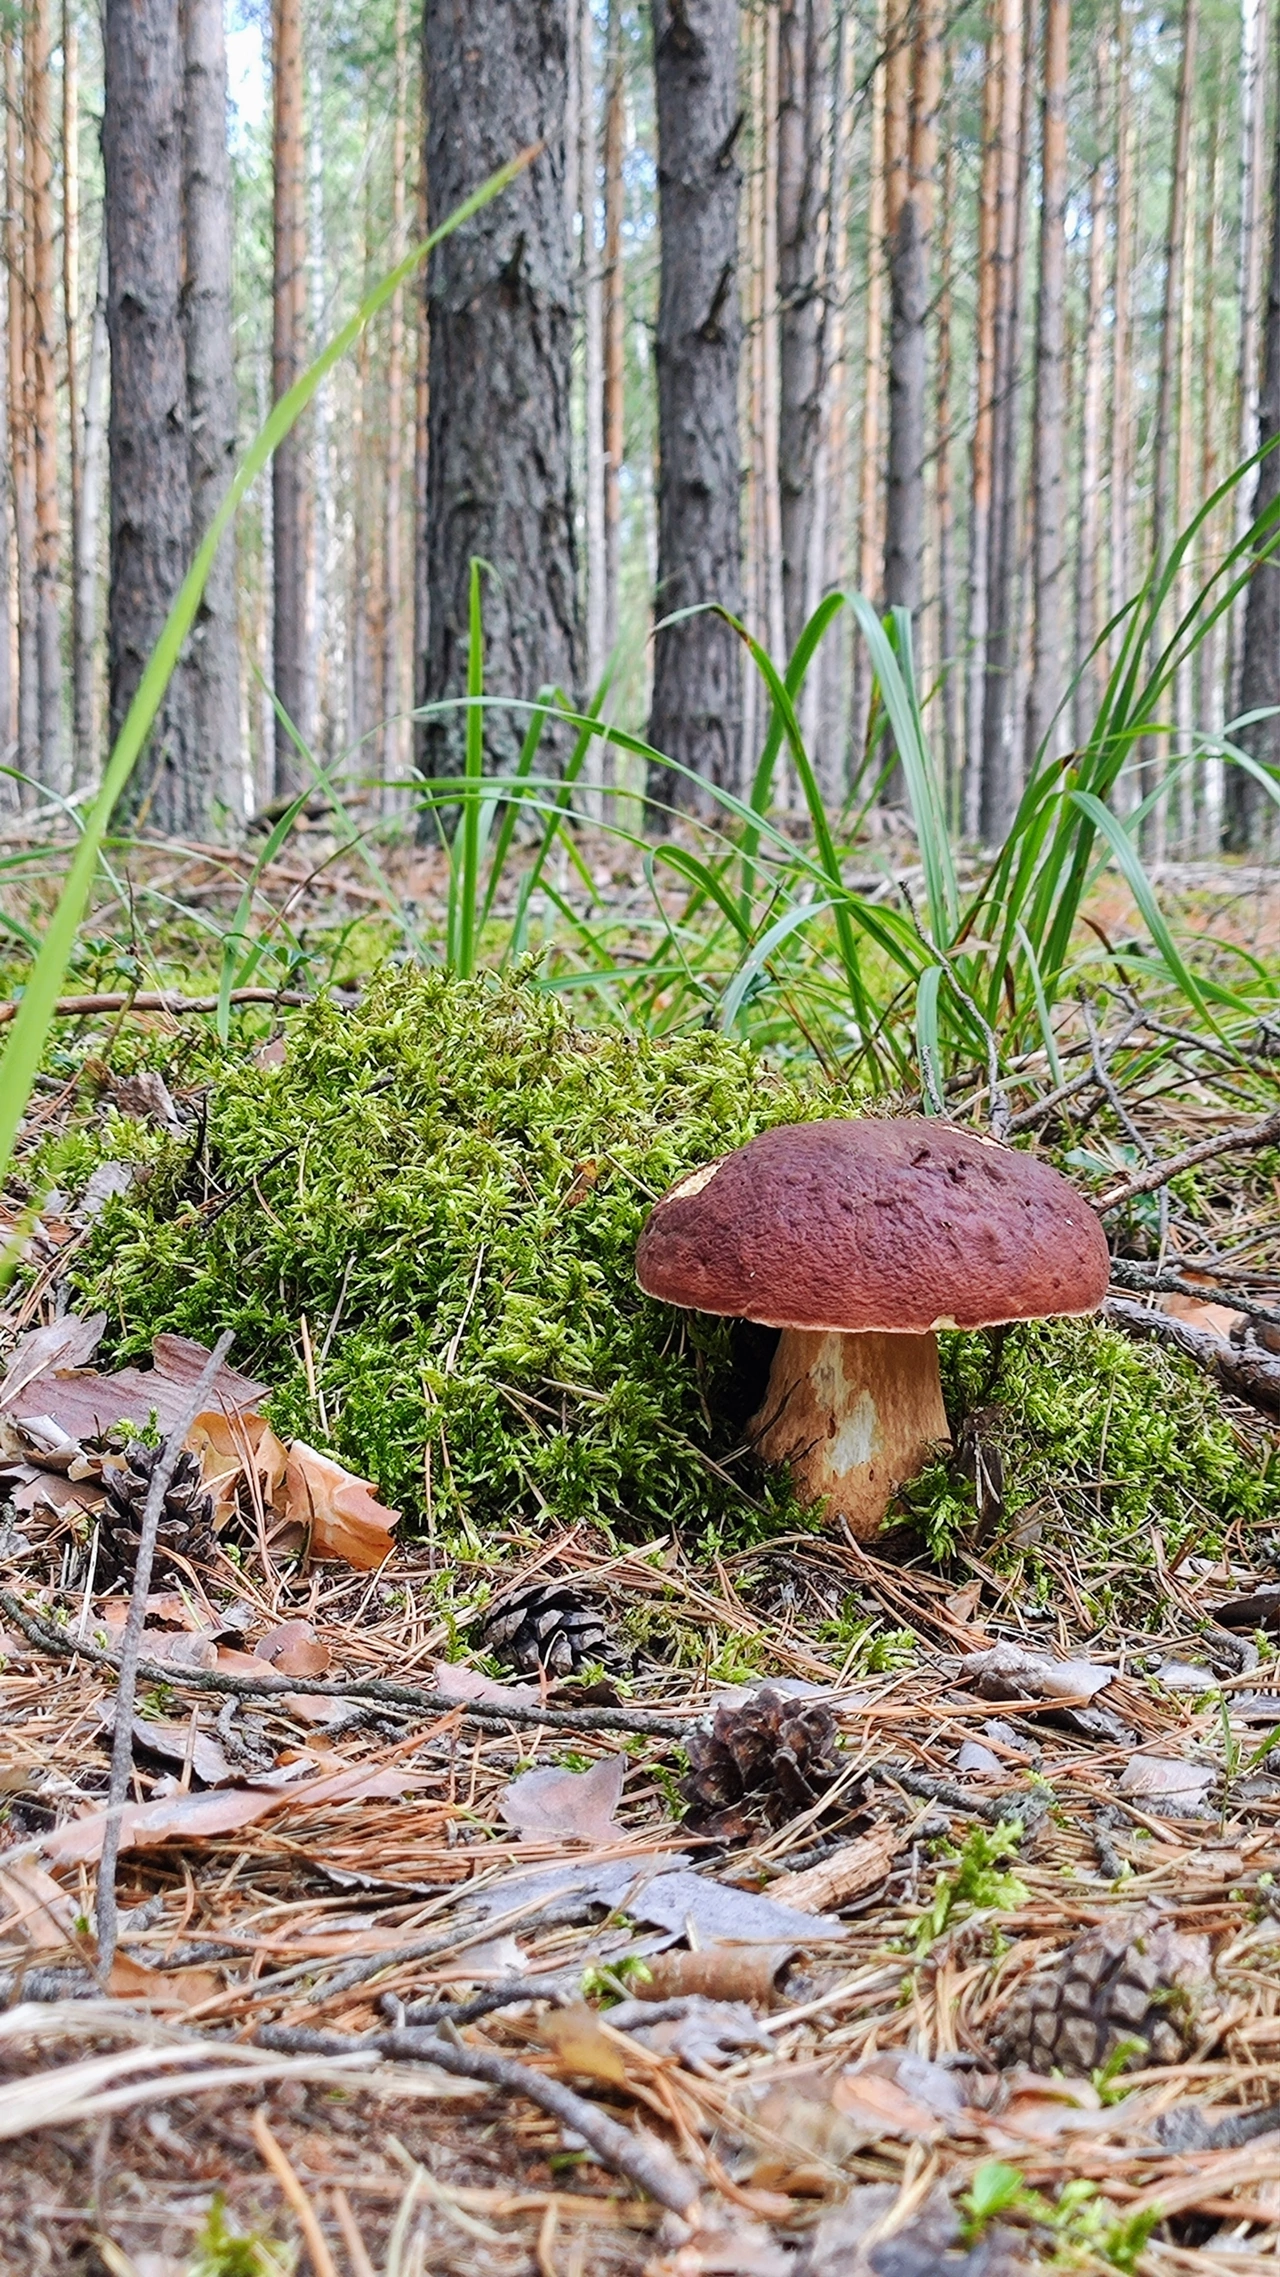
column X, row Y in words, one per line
column 852, row 2028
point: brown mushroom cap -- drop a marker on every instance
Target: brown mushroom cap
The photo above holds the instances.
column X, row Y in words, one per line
column 896, row 1227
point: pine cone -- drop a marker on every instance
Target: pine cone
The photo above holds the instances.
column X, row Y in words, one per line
column 771, row 1758
column 1125, row 1980
column 186, row 1521
column 547, row 1625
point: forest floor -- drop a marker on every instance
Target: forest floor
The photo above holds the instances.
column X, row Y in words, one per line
column 983, row 1976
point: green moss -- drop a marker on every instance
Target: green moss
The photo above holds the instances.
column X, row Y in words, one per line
column 447, row 1185
column 1105, row 1444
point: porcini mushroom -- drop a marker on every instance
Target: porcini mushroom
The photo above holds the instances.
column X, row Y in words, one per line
column 859, row 1240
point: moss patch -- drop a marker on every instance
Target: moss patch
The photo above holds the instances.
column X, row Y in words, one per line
column 447, row 1185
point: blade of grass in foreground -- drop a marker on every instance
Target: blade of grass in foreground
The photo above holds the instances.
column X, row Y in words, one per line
column 22, row 1052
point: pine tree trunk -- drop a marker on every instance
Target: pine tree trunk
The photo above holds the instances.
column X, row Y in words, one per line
column 804, row 101
column 17, row 239
column 773, row 620
column 1001, row 649
column 288, row 339
column 833, row 735
column 8, row 596
column 148, row 440
column 393, row 721
column 1260, row 664
column 870, row 471
column 614, row 322
column 1182, row 802
column 81, row 656
column 213, row 661
column 85, row 569
column 1165, row 439
column 501, row 351
column 911, row 156
column 980, row 482
column 949, row 665
column 421, row 442
column 593, row 517
column 1255, row 31
column 1210, row 710
column 1121, row 438
column 42, row 348
column 1090, row 663
column 696, row 715
column 1049, row 671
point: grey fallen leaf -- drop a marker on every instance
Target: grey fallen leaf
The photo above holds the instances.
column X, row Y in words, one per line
column 791, row 1688
column 1006, row 1672
column 735, row 2247
column 705, row 2033
column 170, row 1742
column 145, row 1096
column 612, row 1883
column 1184, row 1676
column 1003, row 1735
column 1164, row 1775
column 456, row 1681
column 65, row 1343
column 101, row 1186
column 579, row 1806
column 719, row 1911
column 978, row 1760
column 849, row 2241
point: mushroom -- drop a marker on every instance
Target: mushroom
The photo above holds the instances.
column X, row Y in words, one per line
column 859, row 1240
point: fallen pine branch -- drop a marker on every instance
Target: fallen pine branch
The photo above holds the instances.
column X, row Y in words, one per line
column 649, row 2167
column 491, row 1713
column 1155, row 1280
column 1245, row 1135
column 153, row 1000
column 1250, row 1373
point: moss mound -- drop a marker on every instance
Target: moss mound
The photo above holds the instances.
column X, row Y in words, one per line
column 447, row 1185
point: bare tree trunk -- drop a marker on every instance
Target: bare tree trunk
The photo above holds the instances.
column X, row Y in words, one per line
column 696, row 716
column 804, row 101
column 17, row 239
column 1254, row 31
column 593, row 517
column 1260, row 666
column 37, row 86
column 85, row 572
column 948, row 662
column 8, row 595
column 870, row 472
column 213, row 659
column 81, row 657
column 909, row 221
column 1210, row 656
column 614, row 321
column 1121, row 438
column 1090, row 663
column 982, row 449
column 1182, row 803
column 770, row 354
column 421, row 440
column 1049, row 671
column 1165, row 440
column 288, row 348
column 832, row 740
column 393, row 721
column 501, row 354
column 149, row 444
column 997, row 769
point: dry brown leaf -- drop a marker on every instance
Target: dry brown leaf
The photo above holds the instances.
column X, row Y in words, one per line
column 814, row 2142
column 344, row 1518
column 723, row 1972
column 36, row 1908
column 293, row 1649
column 85, row 1405
column 223, row 1810
column 228, row 1447
column 1006, row 1672
column 161, row 1988
column 1153, row 1775
column 578, row 1806
column 458, row 1682
column 579, row 2045
column 1199, row 1312
column 899, row 2094
column 173, row 1743
column 65, row 1343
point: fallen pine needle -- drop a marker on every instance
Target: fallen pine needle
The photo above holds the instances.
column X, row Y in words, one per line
column 322, row 2260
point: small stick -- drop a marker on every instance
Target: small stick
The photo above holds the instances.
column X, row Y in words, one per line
column 1245, row 1135
column 1251, row 1375
column 651, row 2170
column 493, row 1714
column 105, row 1914
column 154, row 1000
column 357, row 2250
column 322, row 2260
column 1150, row 1280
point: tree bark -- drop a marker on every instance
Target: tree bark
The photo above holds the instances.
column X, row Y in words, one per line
column 1165, row 438
column 148, row 439
column 501, row 350
column 980, row 480
column 1049, row 670
column 909, row 219
column 870, row 470
column 42, row 350
column 998, row 790
column 85, row 575
column 8, row 611
column 1090, row 663
column 1209, row 707
column 1121, row 438
column 393, row 721
column 421, row 444
column 26, row 756
column 696, row 715
column 804, row 104
column 614, row 322
column 1260, row 663
column 949, row 663
column 590, row 270
column 81, row 655
column 1254, row 34
column 832, row 754
column 288, row 338
column 213, row 662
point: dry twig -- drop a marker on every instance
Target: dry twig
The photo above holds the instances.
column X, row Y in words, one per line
column 1265, row 1132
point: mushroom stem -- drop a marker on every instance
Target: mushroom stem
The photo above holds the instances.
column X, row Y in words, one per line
column 853, row 1417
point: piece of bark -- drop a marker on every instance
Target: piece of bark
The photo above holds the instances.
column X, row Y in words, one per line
column 1245, row 1368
